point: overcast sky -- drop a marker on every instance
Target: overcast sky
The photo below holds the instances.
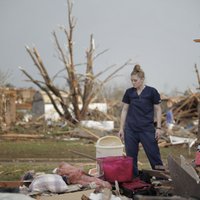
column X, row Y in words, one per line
column 158, row 34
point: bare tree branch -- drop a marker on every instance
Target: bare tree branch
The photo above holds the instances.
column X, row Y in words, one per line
column 83, row 88
column 99, row 54
column 4, row 77
column 42, row 88
column 105, row 70
column 118, row 69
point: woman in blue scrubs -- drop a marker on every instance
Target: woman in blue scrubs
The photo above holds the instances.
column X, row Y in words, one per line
column 137, row 120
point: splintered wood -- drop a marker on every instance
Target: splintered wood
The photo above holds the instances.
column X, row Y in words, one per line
column 7, row 107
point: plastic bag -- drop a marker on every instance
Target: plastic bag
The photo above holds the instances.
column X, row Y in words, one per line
column 116, row 168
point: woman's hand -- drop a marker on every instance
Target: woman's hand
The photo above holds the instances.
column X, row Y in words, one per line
column 121, row 135
column 158, row 134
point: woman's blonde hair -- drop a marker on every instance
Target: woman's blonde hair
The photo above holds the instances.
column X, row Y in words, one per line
column 137, row 70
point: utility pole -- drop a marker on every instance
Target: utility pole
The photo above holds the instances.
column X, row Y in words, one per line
column 198, row 132
column 198, row 77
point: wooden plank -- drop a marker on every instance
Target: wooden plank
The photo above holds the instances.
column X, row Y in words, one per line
column 17, row 136
column 196, row 40
column 13, row 184
column 157, row 173
column 10, row 184
column 184, row 184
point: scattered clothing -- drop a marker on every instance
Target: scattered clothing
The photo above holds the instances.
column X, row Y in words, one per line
column 78, row 176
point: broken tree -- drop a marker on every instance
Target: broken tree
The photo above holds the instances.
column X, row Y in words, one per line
column 82, row 88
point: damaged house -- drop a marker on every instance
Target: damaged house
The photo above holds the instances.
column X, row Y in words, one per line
column 42, row 107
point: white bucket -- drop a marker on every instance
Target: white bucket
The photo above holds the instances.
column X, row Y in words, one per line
column 109, row 146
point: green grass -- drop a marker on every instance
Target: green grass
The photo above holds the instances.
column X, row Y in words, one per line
column 175, row 151
column 45, row 149
column 45, row 155
column 40, row 155
column 15, row 170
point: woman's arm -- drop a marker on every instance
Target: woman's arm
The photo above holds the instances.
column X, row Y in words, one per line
column 158, row 114
column 123, row 119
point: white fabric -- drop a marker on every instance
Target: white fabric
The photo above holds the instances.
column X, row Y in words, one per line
column 48, row 183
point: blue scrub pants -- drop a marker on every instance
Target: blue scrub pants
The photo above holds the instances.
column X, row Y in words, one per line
column 149, row 143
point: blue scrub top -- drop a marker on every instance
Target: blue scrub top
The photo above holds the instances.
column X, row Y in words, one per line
column 140, row 115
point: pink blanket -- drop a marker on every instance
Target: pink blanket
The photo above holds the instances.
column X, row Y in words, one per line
column 78, row 176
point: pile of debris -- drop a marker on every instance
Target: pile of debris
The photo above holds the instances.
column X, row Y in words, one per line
column 185, row 126
column 180, row 181
column 185, row 111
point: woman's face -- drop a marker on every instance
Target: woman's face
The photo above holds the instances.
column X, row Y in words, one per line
column 137, row 81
